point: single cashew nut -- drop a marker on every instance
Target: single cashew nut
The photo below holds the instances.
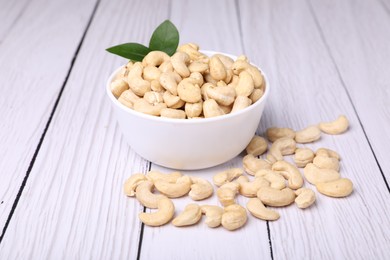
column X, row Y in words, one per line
column 155, row 58
column 315, row 175
column 172, row 177
column 276, row 198
column 305, row 198
column 245, row 84
column 256, row 95
column 118, row 86
column 132, row 183
column 240, row 103
column 227, row 62
column 192, row 50
column 136, row 83
column 198, row 66
column 227, row 193
column 189, row 92
column 283, row 146
column 224, row 95
column 217, row 69
column 193, row 109
column 211, row 109
column 172, row 101
column 145, row 196
column 226, row 176
column 128, row 98
column 213, row 215
column 195, row 78
column 257, row 146
column 143, row 106
column 327, row 153
column 174, row 190
column 240, row 65
column 168, row 81
column 166, row 66
column 275, row 133
column 190, row 216
column 163, row 215
column 303, row 156
column 252, row 164
column 308, row 135
column 276, row 180
column 250, row 188
column 234, row 217
column 173, row 113
column 290, row 172
column 325, row 162
column 179, row 62
column 200, row 189
column 338, row 188
column 258, row 210
column 153, row 97
column 338, row 126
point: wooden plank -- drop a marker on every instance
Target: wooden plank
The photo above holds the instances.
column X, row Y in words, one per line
column 306, row 90
column 364, row 36
column 73, row 206
column 200, row 22
column 10, row 13
column 34, row 62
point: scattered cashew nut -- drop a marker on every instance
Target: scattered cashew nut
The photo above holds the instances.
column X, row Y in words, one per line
column 163, row 215
column 305, row 198
column 190, row 216
column 338, row 188
column 338, row 126
column 258, row 210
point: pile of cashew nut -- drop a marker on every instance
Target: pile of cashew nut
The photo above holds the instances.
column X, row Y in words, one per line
column 276, row 182
column 188, row 85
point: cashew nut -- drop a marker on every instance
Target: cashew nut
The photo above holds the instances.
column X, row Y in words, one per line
column 252, row 164
column 245, row 84
column 303, row 156
column 192, row 50
column 315, row 175
column 200, row 189
column 166, row 66
column 173, row 113
column 276, row 180
column 145, row 196
column 338, row 126
column 151, row 73
column 143, row 106
column 305, row 198
column 118, row 86
column 136, row 83
column 274, row 133
column 213, row 215
column 189, row 92
column 234, row 217
column 217, row 69
column 153, row 97
column 256, row 94
column 249, row 188
column 163, row 215
column 282, row 146
column 227, row 62
column 258, row 210
column 155, row 58
column 257, row 146
column 338, row 188
column 290, row 172
column 226, row 176
column 276, row 198
column 328, row 153
column 168, row 81
column 132, row 183
column 325, row 162
column 240, row 103
column 174, row 190
column 172, row 177
column 211, row 109
column 128, row 98
column 198, row 66
column 190, row 216
column 179, row 62
column 308, row 135
column 227, row 193
column 156, row 86
column 193, row 109
column 241, row 65
column 224, row 95
column 172, row 101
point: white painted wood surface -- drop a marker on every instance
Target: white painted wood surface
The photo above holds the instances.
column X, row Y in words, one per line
column 34, row 62
column 72, row 206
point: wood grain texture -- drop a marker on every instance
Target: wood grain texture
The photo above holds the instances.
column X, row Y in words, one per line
column 73, row 206
column 199, row 241
column 306, row 90
column 32, row 70
column 10, row 13
column 358, row 38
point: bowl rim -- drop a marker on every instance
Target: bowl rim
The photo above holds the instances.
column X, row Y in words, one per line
column 126, row 109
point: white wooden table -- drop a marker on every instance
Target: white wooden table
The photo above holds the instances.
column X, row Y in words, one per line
column 63, row 159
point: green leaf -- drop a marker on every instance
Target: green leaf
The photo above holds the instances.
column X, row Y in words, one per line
column 165, row 38
column 133, row 51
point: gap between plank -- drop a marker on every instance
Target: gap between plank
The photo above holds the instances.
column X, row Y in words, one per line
column 346, row 90
column 35, row 155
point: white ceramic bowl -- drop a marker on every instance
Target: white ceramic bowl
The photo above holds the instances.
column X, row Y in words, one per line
column 188, row 144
